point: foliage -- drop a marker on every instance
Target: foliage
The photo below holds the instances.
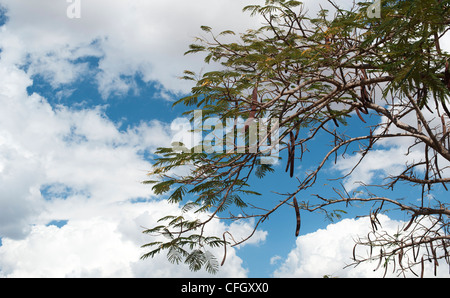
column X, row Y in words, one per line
column 312, row 75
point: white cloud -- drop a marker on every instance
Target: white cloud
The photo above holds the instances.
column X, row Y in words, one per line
column 41, row 145
column 376, row 165
column 390, row 156
column 275, row 259
column 76, row 165
column 62, row 164
column 141, row 37
column 328, row 251
column 105, row 244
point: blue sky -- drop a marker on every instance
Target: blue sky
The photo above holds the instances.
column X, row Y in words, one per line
column 85, row 102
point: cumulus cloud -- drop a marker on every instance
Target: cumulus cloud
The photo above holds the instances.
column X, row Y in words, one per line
column 376, row 165
column 81, row 149
column 102, row 240
column 390, row 156
column 103, row 245
column 145, row 38
column 329, row 251
column 76, row 166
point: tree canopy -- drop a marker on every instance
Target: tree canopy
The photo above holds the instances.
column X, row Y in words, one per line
column 307, row 76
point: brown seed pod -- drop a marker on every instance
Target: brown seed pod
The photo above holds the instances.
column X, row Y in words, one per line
column 359, row 115
column 297, row 214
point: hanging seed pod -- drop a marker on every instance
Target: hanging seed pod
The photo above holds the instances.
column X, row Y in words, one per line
column 365, row 97
column 393, row 267
column 447, row 75
column 380, row 260
column 422, row 267
column 414, row 254
column 433, row 251
column 370, row 244
column 400, row 257
column 291, row 154
column 333, row 118
column 359, row 115
column 444, row 245
column 297, row 214
column 410, row 223
column 291, row 173
column 254, row 103
column 225, row 250
column 444, row 127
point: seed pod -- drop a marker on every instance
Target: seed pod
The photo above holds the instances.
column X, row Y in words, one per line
column 422, row 266
column 370, row 244
column 413, row 250
column 365, row 97
column 225, row 252
column 291, row 154
column 297, row 214
column 422, row 96
column 333, row 118
column 381, row 259
column 445, row 251
column 433, row 250
column 291, row 173
column 444, row 128
column 447, row 75
column 359, row 115
column 254, row 103
column 410, row 223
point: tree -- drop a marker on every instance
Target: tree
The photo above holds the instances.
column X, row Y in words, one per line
column 314, row 75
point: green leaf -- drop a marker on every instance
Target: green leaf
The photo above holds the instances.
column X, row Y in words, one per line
column 162, row 187
column 177, row 195
column 211, row 263
column 206, row 28
column 152, row 244
column 227, row 32
column 195, row 260
column 151, row 254
column 175, row 255
column 194, row 48
column 153, row 230
column 150, row 181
